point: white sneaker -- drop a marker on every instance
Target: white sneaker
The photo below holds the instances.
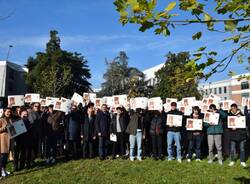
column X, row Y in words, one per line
column 7, row 172
column 231, row 164
column 179, row 160
column 139, row 159
column 243, row 164
column 170, row 159
column 188, row 160
column 220, row 162
column 210, row 161
column 131, row 159
column 3, row 173
column 198, row 160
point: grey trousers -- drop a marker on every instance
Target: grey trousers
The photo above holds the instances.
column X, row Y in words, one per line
column 214, row 140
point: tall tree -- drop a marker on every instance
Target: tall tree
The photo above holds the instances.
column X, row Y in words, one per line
column 122, row 79
column 172, row 78
column 223, row 16
column 57, row 72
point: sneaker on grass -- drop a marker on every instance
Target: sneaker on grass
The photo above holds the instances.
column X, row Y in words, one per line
column 243, row 164
column 220, row 162
column 198, row 160
column 179, row 160
column 231, row 164
column 210, row 161
column 188, row 160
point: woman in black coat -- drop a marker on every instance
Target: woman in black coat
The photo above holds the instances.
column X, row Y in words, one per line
column 195, row 137
column 156, row 132
column 88, row 131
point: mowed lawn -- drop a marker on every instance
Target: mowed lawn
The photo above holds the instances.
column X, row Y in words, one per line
column 124, row 171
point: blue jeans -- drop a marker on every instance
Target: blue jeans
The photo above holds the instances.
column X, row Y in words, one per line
column 102, row 147
column 138, row 139
column 233, row 150
column 176, row 137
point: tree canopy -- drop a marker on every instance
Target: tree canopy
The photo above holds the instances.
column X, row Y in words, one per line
column 234, row 15
column 171, row 78
column 57, row 72
column 122, row 79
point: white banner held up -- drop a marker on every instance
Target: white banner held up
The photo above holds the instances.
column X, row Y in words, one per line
column 155, row 104
column 139, row 102
column 211, row 118
column 194, row 124
column 15, row 100
column 236, row 122
column 77, row 99
column 226, row 104
column 187, row 110
column 32, row 98
column 120, row 100
column 174, row 120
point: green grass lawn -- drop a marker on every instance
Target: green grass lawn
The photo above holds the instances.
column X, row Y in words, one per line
column 124, row 171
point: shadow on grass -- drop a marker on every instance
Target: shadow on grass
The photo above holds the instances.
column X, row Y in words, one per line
column 243, row 180
column 40, row 165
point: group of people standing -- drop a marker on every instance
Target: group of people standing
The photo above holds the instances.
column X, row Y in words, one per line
column 87, row 132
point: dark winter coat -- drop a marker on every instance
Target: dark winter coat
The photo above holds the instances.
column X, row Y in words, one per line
column 73, row 123
column 102, row 123
column 238, row 134
column 89, row 128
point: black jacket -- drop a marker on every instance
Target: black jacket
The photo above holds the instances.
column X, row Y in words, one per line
column 175, row 129
column 89, row 128
column 190, row 134
column 73, row 124
column 238, row 134
column 156, row 126
column 123, row 123
column 102, row 123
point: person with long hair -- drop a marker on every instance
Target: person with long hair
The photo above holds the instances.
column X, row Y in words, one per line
column 195, row 137
column 5, row 121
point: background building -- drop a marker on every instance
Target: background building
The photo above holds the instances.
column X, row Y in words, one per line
column 12, row 79
column 232, row 88
column 150, row 74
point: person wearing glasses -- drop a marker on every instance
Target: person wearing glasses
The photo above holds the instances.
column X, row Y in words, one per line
column 35, row 117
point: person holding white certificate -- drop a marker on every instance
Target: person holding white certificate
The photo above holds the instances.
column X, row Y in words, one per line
column 237, row 136
column 195, row 137
column 214, row 134
column 5, row 121
column 174, row 131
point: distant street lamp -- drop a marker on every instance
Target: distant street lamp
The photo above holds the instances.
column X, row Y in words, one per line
column 8, row 54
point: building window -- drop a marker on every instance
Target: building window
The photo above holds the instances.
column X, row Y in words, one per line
column 220, row 90
column 245, row 85
column 225, row 98
column 225, row 89
column 210, row 91
column 215, row 90
column 246, row 95
column 206, row 92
